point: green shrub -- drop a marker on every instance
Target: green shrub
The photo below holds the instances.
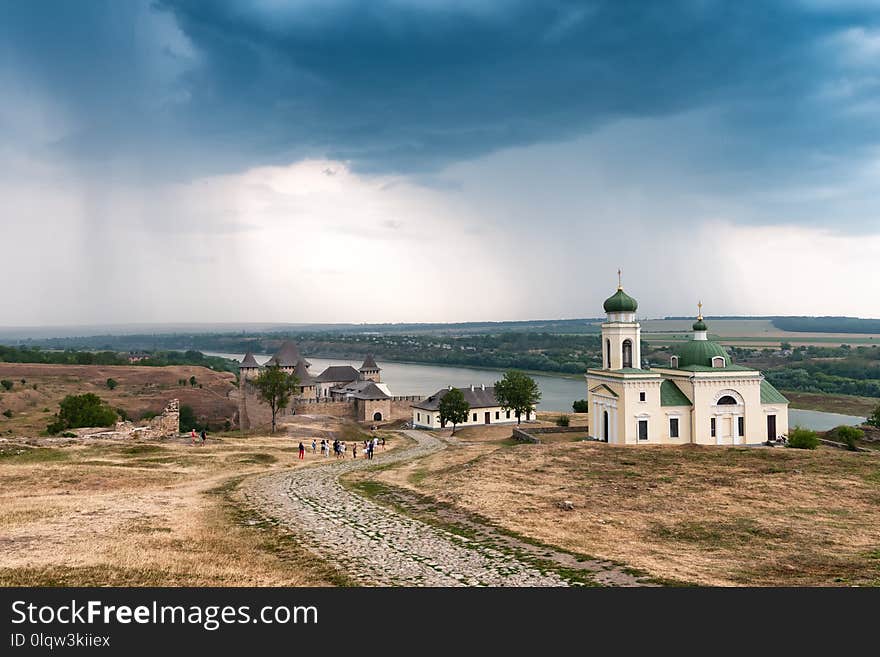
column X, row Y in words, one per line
column 874, row 417
column 580, row 406
column 6, row 383
column 149, row 415
column 7, row 413
column 849, row 436
column 562, row 421
column 86, row 410
column 112, row 383
column 803, row 438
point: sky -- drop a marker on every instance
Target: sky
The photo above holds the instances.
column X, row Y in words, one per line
column 436, row 160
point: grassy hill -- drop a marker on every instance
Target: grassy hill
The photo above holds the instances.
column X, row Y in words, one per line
column 139, row 390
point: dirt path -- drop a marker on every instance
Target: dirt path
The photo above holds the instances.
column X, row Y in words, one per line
column 376, row 545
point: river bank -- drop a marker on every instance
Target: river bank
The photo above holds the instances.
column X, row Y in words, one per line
column 846, row 404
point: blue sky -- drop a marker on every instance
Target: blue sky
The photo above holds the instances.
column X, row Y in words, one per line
column 427, row 161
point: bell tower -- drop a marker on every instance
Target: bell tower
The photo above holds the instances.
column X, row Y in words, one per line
column 621, row 333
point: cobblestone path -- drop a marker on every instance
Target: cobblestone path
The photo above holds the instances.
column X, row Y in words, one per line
column 374, row 544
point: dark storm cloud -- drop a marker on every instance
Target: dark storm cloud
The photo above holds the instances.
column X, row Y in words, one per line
column 203, row 85
column 409, row 86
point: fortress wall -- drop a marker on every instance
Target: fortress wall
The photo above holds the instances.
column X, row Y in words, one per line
column 401, row 407
column 333, row 408
column 254, row 413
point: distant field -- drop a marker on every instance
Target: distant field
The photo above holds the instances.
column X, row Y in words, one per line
column 726, row 327
column 747, row 333
column 845, row 404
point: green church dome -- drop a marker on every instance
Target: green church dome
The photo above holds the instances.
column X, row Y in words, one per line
column 620, row 302
column 701, row 352
column 699, row 325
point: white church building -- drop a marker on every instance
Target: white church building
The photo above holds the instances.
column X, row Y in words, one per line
column 700, row 397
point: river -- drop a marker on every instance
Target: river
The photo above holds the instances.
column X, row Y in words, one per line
column 557, row 393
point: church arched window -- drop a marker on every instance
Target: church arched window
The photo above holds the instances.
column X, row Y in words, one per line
column 717, row 361
column 727, row 400
column 608, row 354
column 627, row 353
column 673, row 362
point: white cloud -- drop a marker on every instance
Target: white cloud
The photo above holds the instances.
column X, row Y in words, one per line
column 270, row 244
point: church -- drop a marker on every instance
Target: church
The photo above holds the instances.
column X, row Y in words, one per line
column 701, row 397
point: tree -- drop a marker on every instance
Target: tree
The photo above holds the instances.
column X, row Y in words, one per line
column 192, row 381
column 849, row 436
column 453, row 408
column 517, row 392
column 275, row 387
column 86, row 410
column 111, row 383
column 6, row 383
column 580, row 406
column 187, row 418
column 874, row 418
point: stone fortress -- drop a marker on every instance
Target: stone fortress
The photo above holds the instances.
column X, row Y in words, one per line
column 340, row 390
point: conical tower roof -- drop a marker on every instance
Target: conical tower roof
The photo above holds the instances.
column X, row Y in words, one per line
column 287, row 355
column 369, row 363
column 302, row 374
column 249, row 361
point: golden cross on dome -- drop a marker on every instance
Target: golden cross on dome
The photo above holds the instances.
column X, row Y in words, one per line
column 700, row 311
column 619, row 281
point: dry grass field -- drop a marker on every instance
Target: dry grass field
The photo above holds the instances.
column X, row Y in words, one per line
column 703, row 515
column 139, row 389
column 161, row 513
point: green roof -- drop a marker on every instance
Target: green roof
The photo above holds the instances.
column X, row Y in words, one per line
column 699, row 325
column 630, row 370
column 620, row 302
column 671, row 395
column 770, row 395
column 700, row 352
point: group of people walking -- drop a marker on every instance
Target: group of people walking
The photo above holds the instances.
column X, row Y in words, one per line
column 340, row 448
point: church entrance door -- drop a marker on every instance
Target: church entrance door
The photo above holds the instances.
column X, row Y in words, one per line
column 725, row 437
